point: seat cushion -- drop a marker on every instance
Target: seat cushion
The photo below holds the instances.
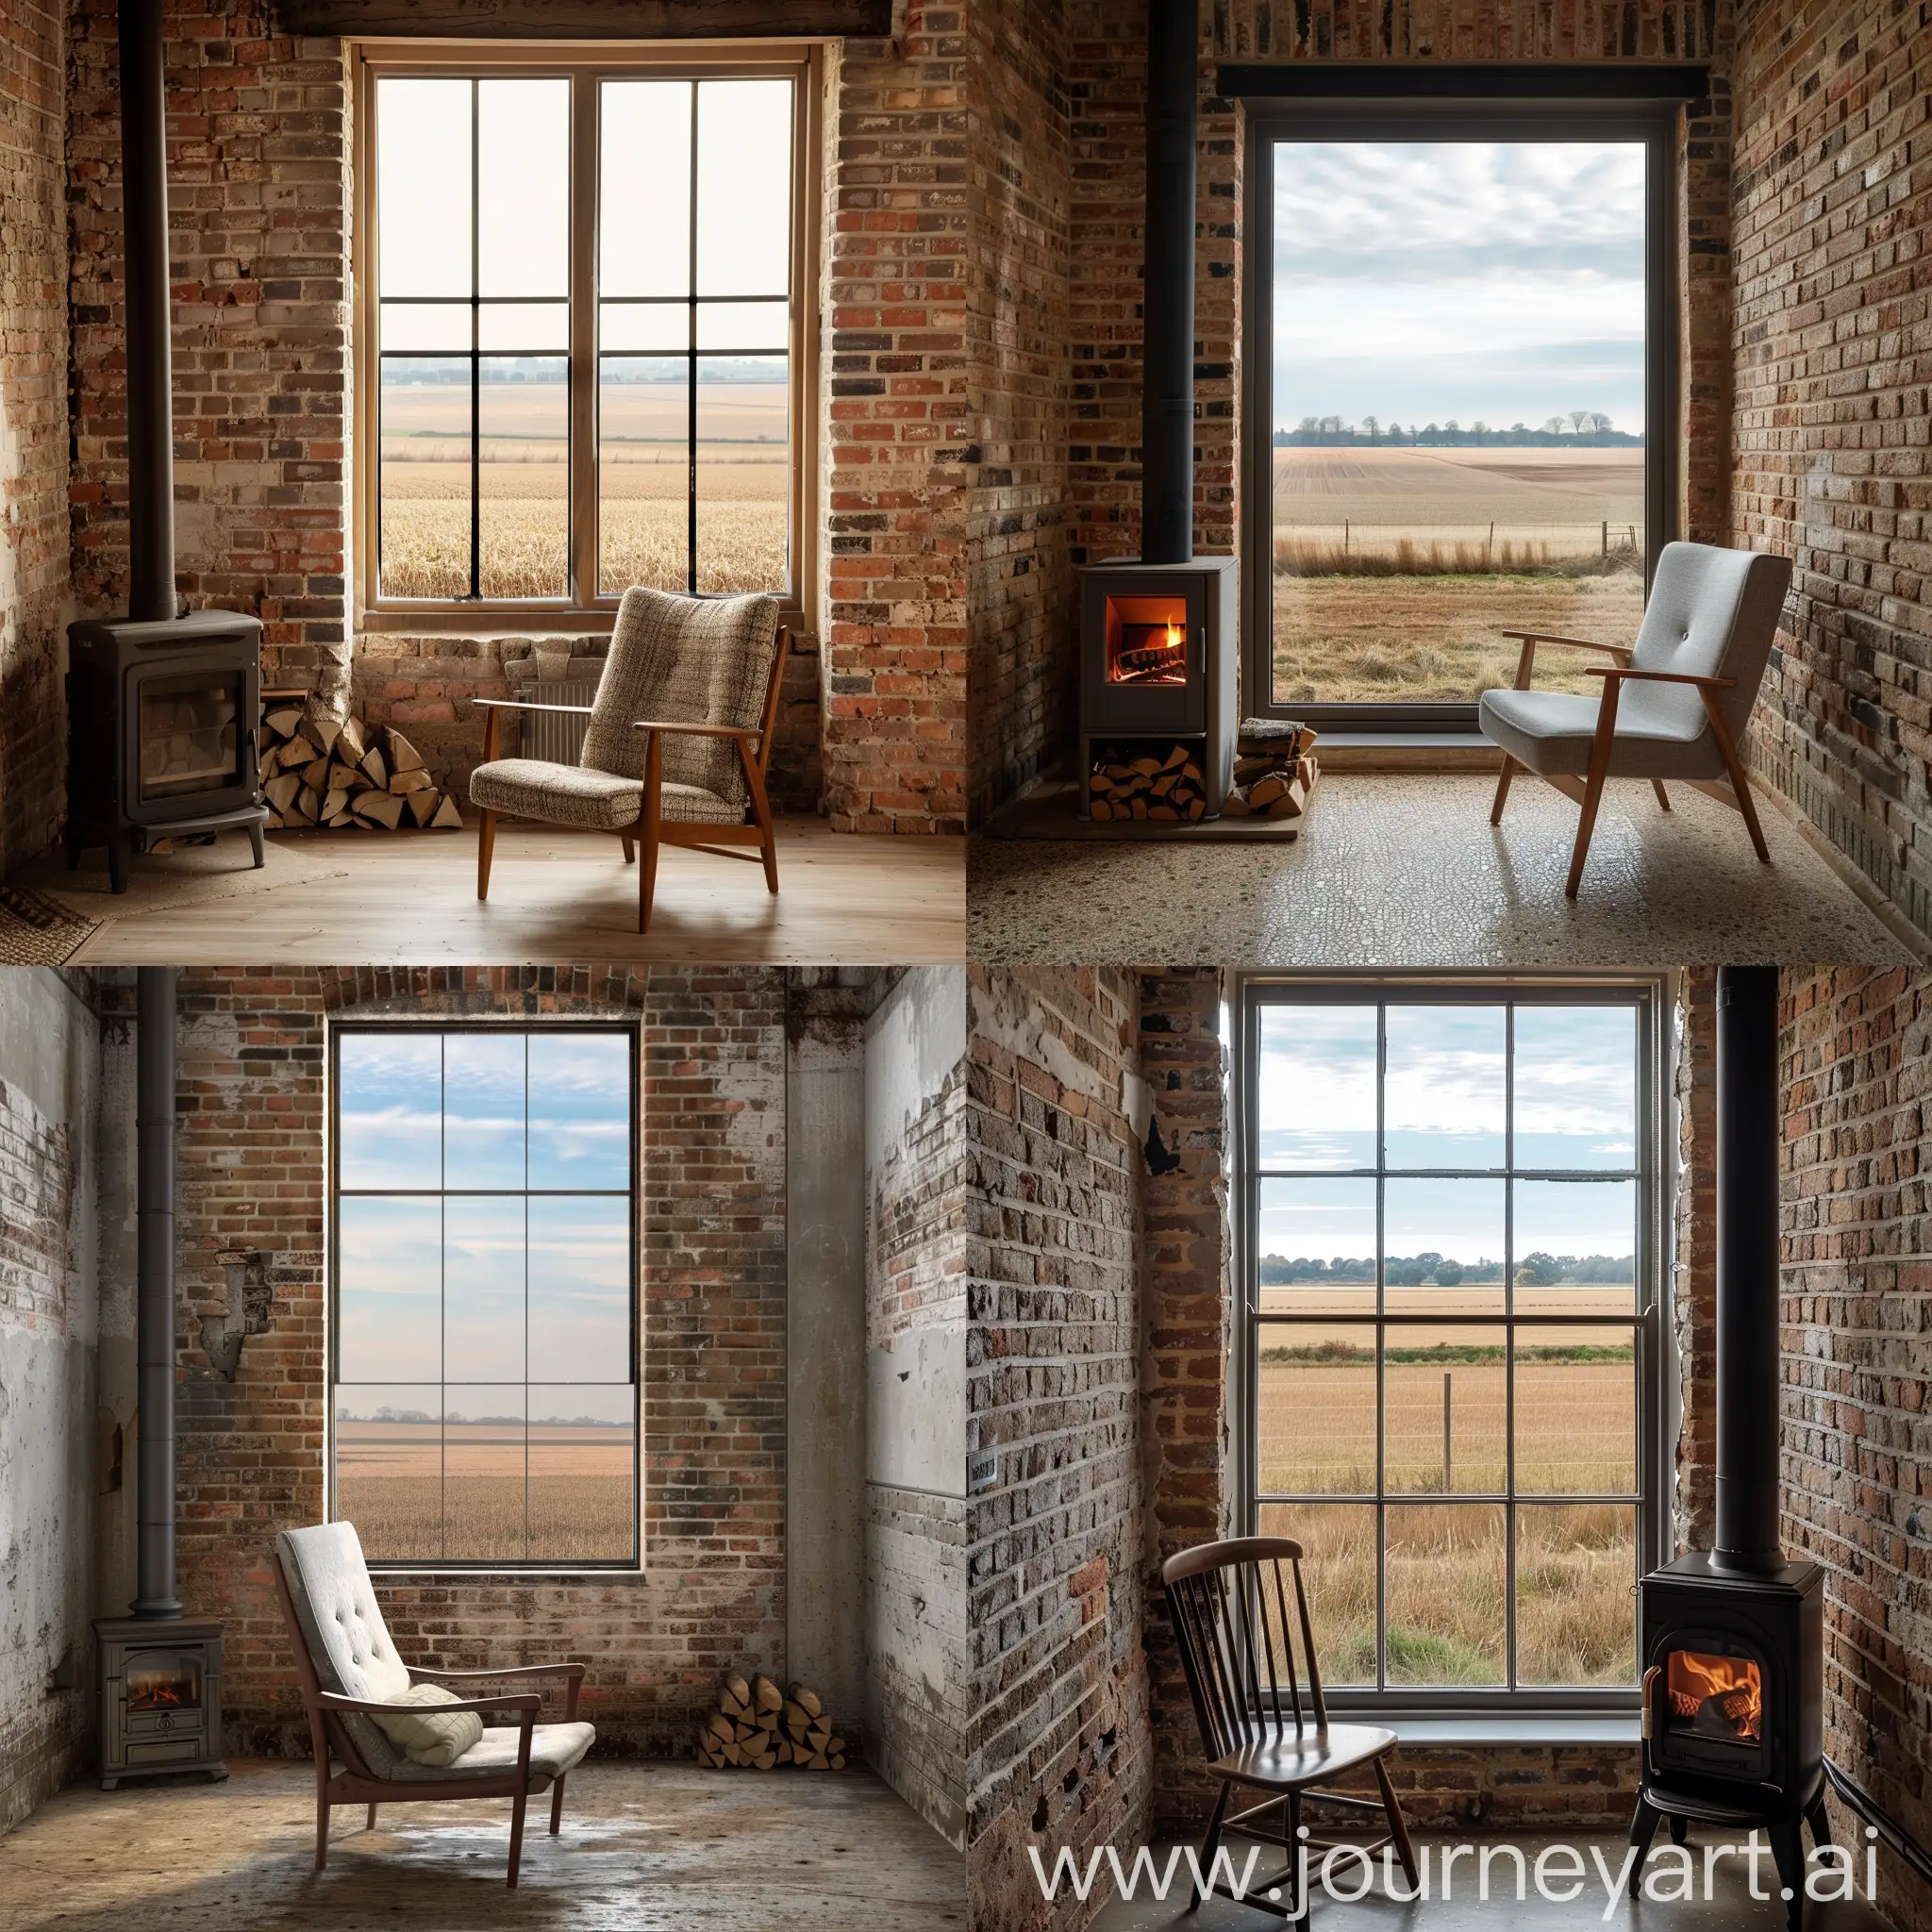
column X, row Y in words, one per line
column 578, row 795
column 554, row 1750
column 1292, row 1757
column 1552, row 732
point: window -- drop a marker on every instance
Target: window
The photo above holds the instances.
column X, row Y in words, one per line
column 483, row 1341
column 584, row 327
column 1461, row 407
column 1448, row 1354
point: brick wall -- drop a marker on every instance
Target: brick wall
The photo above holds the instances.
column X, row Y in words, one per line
column 1058, row 1750
column 251, row 1086
column 1856, row 1328
column 1830, row 454
column 33, row 429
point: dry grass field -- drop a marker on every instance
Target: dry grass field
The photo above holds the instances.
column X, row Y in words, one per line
column 411, row 1495
column 1396, row 570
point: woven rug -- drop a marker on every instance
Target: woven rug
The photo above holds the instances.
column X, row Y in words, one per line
column 37, row 930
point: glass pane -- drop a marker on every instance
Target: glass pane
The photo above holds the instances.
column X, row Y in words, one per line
column 738, row 328
column 1442, row 1246
column 524, row 412
column 523, row 182
column 389, row 1468
column 1444, row 1593
column 483, row 1289
column 1339, row 1573
column 744, row 188
column 1458, row 412
column 424, row 327
column 1315, row 1410
column 1444, row 1102
column 744, row 497
column 1576, row 1411
column 483, row 1110
column 1318, row 1246
column 1445, row 1424
column 1317, row 1087
column 1575, row 1611
column 423, row 187
column 389, row 1110
column 580, row 1276
column 426, row 477
column 643, row 473
column 523, row 329
column 483, row 1474
column 580, row 1110
column 626, row 326
column 643, row 205
column 583, row 1459
column 389, row 1287
column 1575, row 1247
column 1576, row 1087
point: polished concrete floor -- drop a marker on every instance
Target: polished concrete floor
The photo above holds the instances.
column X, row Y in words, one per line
column 1730, row 1906
column 1407, row 871
column 646, row 1847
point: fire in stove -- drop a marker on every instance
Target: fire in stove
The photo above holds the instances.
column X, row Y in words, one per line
column 172, row 1690
column 1146, row 640
column 1720, row 1697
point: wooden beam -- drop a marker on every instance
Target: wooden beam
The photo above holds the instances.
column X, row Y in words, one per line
column 586, row 20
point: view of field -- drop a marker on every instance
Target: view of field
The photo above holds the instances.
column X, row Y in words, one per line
column 1395, row 569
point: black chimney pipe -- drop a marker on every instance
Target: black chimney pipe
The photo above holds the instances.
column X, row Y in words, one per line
column 1748, row 1115
column 145, row 274
column 154, row 1113
column 1167, row 298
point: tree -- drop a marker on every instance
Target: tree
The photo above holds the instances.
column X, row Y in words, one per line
column 1452, row 427
column 1580, row 419
column 1538, row 1271
column 1553, row 427
column 1369, row 423
column 1518, row 429
column 1306, row 426
column 1599, row 422
column 1448, row 1273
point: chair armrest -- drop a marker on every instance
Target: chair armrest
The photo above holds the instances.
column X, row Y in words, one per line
column 746, row 733
column 1546, row 636
column 526, row 1702
column 523, row 704
column 1623, row 670
column 505, row 1671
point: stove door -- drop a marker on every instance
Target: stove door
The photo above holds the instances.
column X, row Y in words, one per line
column 1709, row 1701
column 188, row 727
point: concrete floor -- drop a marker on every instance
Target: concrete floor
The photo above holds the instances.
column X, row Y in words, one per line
column 1406, row 871
column 645, row 1845
column 1731, row 1907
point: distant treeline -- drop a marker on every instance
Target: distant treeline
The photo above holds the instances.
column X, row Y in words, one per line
column 1537, row 1269
column 1580, row 429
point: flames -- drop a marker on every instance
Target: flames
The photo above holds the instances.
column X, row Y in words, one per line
column 153, row 1693
column 1729, row 1687
column 1176, row 637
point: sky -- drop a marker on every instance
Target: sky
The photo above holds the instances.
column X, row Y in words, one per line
column 1421, row 282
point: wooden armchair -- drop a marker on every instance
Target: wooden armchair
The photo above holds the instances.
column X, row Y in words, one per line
column 1674, row 704
column 1230, row 1607
column 349, row 1668
column 678, row 743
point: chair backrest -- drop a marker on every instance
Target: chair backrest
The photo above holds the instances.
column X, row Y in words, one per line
column 1711, row 613
column 1237, row 1608
column 691, row 661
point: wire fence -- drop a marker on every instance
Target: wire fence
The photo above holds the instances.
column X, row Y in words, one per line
column 1348, row 545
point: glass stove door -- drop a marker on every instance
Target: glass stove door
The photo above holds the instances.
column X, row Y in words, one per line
column 189, row 733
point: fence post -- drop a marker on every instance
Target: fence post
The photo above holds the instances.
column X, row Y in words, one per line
column 1606, row 540
column 1448, row 1440
column 1344, row 536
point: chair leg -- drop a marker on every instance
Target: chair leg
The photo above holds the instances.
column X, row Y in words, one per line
column 321, row 1819
column 1501, row 789
column 650, row 828
column 557, row 1808
column 517, row 1807
column 761, row 811
column 630, row 850
column 1211, row 1844
column 486, row 851
column 1398, row 1826
column 1663, row 797
column 1593, row 797
column 371, row 1825
column 1734, row 768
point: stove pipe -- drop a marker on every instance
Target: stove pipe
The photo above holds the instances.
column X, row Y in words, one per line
column 154, row 1110
column 1167, row 299
column 1747, row 1271
column 145, row 254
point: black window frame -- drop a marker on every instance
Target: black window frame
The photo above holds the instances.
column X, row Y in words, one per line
column 419, row 1027
column 1657, row 1393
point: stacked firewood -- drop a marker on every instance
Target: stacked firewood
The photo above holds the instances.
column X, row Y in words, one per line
column 1168, row 788
column 757, row 1727
column 1274, row 773
column 318, row 770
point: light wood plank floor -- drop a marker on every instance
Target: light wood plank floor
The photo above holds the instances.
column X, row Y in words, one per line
column 554, row 894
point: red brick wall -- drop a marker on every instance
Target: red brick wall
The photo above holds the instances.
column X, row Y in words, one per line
column 1060, row 1743
column 33, row 429
column 1858, row 1371
column 1830, row 456
column 712, row 1267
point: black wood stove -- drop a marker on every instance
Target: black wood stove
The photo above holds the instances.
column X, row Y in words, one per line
column 1733, row 1638
column 163, row 711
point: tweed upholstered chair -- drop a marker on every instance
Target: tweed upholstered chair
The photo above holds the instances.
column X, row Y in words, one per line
column 1674, row 704
column 349, row 1668
column 678, row 745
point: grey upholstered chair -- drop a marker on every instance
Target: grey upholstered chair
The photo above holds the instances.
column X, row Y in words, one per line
column 1674, row 706
column 349, row 1668
column 678, row 745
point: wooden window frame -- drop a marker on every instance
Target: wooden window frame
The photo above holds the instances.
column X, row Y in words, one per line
column 586, row 608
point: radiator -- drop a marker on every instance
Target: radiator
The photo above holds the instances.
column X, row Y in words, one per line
column 547, row 735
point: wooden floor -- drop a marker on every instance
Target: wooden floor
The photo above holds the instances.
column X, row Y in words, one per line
column 644, row 1845
column 351, row 899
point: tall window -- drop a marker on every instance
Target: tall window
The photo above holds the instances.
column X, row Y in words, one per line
column 483, row 1345
column 582, row 330
column 1449, row 1261
column 1456, row 404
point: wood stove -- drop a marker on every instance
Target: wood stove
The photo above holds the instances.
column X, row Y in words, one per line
column 160, row 1698
column 1733, row 1638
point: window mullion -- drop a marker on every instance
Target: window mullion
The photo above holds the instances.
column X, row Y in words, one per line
column 585, row 574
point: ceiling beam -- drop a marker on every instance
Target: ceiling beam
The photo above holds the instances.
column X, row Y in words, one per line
column 586, row 20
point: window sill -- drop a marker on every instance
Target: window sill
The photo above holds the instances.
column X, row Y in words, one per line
column 1513, row 1730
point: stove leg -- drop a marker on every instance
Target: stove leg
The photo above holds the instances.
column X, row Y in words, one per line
column 254, row 841
column 120, row 849
column 1643, row 1824
column 1820, row 1820
column 1680, row 1831
column 1788, row 1848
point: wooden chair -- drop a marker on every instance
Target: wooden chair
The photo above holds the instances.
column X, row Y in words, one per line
column 678, row 743
column 1675, row 704
column 340, row 1642
column 1229, row 1602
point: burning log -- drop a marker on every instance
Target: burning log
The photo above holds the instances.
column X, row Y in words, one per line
column 757, row 1727
column 322, row 771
